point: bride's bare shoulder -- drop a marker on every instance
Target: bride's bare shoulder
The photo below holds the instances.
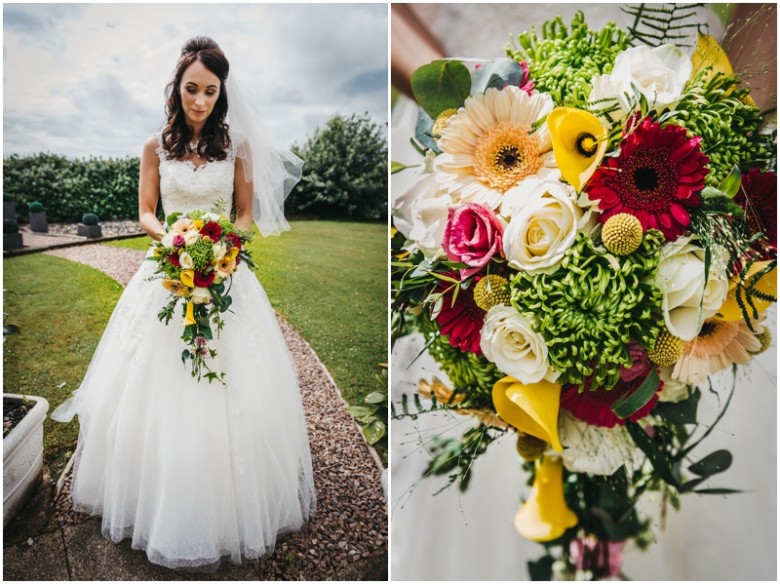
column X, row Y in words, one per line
column 152, row 147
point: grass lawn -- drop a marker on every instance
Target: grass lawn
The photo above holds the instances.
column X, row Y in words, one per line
column 327, row 278
column 60, row 326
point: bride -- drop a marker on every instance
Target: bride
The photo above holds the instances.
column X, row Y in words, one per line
column 193, row 471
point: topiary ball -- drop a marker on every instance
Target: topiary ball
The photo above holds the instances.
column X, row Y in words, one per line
column 7, row 197
column 10, row 226
column 90, row 219
column 36, row 207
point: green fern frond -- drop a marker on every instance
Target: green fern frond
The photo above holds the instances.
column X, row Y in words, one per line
column 671, row 23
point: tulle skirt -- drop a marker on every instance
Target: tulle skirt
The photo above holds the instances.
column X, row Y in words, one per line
column 193, row 471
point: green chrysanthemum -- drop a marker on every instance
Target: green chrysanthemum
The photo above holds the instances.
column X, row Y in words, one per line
column 562, row 62
column 592, row 306
column 201, row 253
column 714, row 107
column 472, row 374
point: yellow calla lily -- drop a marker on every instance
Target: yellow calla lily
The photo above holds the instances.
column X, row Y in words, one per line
column 709, row 53
column 730, row 311
column 189, row 318
column 232, row 253
column 545, row 515
column 187, row 278
column 532, row 409
column 198, row 223
column 579, row 141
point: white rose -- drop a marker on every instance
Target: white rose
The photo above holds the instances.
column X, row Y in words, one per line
column 200, row 296
column 544, row 222
column 596, row 450
column 421, row 212
column 687, row 300
column 167, row 239
column 219, row 250
column 185, row 259
column 509, row 341
column 658, row 73
column 191, row 236
column 673, row 390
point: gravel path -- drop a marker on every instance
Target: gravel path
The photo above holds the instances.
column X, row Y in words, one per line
column 350, row 525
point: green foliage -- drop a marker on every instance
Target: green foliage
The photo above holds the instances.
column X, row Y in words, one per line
column 373, row 413
column 345, row 172
column 10, row 226
column 457, row 456
column 441, row 85
column 68, row 187
column 90, row 219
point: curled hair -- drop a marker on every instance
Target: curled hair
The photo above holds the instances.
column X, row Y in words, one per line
column 176, row 135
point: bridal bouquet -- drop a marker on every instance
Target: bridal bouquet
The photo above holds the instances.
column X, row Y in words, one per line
column 591, row 234
column 197, row 258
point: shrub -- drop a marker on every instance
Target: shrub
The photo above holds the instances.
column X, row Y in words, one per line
column 36, row 207
column 90, row 219
column 345, row 172
column 10, row 226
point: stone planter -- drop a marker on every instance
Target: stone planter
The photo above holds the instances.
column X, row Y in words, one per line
column 12, row 240
column 90, row 231
column 38, row 222
column 9, row 209
column 22, row 456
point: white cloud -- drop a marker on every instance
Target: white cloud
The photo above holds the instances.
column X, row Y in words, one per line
column 85, row 80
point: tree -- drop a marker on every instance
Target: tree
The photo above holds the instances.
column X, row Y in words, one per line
column 344, row 172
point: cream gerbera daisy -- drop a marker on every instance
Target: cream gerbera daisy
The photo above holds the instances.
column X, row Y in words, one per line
column 718, row 345
column 489, row 146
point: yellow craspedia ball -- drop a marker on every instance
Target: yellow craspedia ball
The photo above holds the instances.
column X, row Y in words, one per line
column 622, row 234
column 530, row 447
column 441, row 121
column 668, row 349
column 491, row 291
column 766, row 341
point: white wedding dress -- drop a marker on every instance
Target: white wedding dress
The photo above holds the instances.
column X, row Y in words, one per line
column 194, row 472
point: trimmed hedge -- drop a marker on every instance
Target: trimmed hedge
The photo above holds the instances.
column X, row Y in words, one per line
column 70, row 187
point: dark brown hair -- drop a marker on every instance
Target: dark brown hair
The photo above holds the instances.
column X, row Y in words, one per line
column 176, row 135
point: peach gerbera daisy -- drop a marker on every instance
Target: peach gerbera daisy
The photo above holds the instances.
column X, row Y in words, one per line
column 491, row 145
column 718, row 345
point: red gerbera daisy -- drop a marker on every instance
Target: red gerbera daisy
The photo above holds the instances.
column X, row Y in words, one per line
column 235, row 241
column 203, row 280
column 461, row 322
column 758, row 197
column 657, row 177
column 212, row 230
column 595, row 406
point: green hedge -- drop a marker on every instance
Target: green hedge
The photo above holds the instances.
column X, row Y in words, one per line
column 69, row 187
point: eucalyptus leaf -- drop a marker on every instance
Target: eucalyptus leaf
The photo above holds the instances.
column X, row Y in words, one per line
column 682, row 412
column 717, row 491
column 423, row 132
column 441, row 85
column 712, row 464
column 497, row 74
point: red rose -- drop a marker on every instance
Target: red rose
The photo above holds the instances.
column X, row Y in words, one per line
column 203, row 280
column 174, row 259
column 212, row 230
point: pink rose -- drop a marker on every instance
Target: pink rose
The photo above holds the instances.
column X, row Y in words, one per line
column 602, row 558
column 178, row 240
column 472, row 236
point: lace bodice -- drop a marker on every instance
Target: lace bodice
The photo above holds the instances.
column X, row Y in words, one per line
column 186, row 187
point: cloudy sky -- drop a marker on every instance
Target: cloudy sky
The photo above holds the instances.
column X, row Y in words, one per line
column 88, row 79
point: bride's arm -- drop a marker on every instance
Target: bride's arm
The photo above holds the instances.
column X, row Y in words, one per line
column 149, row 190
column 242, row 197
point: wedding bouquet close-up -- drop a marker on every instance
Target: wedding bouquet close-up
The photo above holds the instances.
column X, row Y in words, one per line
column 590, row 236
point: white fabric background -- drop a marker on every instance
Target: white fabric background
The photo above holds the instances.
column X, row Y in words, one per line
column 454, row 536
